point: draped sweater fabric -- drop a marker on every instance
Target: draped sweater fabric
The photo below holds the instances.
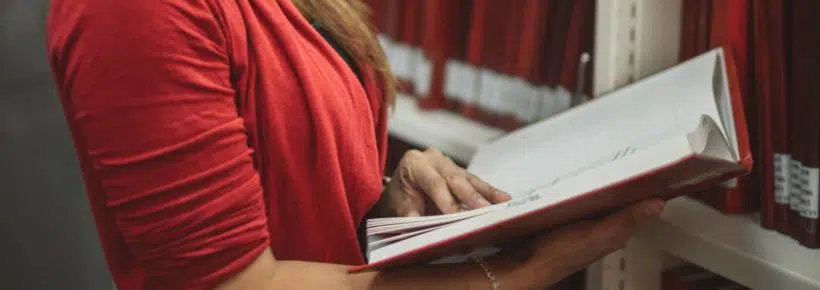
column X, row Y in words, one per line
column 208, row 130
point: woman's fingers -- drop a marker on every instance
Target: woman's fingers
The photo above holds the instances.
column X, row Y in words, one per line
column 465, row 192
column 435, row 186
column 469, row 189
column 492, row 194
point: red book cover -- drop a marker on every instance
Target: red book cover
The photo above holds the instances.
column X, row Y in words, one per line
column 779, row 101
column 764, row 171
column 806, row 68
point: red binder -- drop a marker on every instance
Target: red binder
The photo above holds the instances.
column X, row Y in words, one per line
column 579, row 29
column 806, row 68
column 475, row 54
column 559, row 24
column 443, row 36
column 764, row 171
column 779, row 114
column 689, row 28
column 704, row 19
column 729, row 27
column 530, row 59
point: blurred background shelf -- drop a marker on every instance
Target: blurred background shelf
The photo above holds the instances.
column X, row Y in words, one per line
column 451, row 133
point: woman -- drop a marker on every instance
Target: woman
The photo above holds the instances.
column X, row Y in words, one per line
column 240, row 144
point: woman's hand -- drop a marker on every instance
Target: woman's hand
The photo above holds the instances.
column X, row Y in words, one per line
column 426, row 183
column 552, row 256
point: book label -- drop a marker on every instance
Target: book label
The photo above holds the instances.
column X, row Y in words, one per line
column 491, row 83
column 460, row 81
column 523, row 99
column 795, row 192
column 811, row 191
column 423, row 77
column 782, row 163
column 547, row 102
column 398, row 55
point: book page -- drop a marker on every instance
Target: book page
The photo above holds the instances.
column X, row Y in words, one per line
column 660, row 107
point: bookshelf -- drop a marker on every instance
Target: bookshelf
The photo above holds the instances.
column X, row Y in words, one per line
column 633, row 39
column 733, row 246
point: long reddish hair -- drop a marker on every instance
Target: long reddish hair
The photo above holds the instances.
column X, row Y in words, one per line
column 349, row 23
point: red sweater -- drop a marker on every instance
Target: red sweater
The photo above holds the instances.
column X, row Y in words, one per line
column 208, row 130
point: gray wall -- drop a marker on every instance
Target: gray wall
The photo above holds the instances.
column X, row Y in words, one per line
column 47, row 235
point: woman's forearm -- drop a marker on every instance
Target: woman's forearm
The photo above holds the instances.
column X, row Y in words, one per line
column 267, row 274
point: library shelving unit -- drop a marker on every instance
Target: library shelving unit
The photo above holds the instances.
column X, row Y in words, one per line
column 636, row 38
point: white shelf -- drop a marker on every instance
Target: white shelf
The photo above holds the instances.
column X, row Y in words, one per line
column 454, row 135
column 735, row 247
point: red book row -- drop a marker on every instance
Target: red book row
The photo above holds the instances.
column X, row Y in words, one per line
column 777, row 42
column 502, row 63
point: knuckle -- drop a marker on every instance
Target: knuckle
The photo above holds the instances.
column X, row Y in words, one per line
column 433, row 151
column 452, row 179
column 413, row 154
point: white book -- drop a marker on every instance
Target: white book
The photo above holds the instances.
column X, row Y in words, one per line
column 673, row 133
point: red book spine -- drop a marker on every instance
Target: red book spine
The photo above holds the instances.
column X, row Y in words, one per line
column 560, row 18
column 729, row 28
column 529, row 62
column 703, row 26
column 476, row 35
column 779, row 111
column 797, row 119
column 574, row 44
column 443, row 37
column 764, row 171
column 689, row 28
column 806, row 68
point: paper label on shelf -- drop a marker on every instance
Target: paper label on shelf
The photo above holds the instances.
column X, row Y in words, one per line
column 781, row 177
column 795, row 191
column 529, row 101
column 489, row 97
column 398, row 55
column 423, row 74
column 563, row 99
column 460, row 80
column 547, row 102
column 812, row 192
column 520, row 96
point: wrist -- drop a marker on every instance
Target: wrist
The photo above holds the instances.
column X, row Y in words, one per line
column 518, row 270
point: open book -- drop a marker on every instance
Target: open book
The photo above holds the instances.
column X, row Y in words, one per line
column 677, row 132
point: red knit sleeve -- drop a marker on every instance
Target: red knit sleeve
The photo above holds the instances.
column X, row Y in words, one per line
column 148, row 92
